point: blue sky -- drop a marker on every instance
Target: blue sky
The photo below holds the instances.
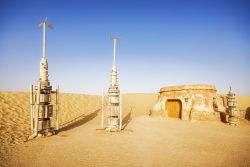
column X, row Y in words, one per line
column 163, row 43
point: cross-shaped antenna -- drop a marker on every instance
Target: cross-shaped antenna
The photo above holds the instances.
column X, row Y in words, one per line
column 115, row 38
column 42, row 22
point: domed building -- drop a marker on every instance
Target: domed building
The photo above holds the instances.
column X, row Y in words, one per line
column 190, row 102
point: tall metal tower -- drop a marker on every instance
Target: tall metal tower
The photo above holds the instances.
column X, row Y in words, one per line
column 114, row 98
column 40, row 97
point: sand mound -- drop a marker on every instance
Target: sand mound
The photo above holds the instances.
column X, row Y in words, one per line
column 15, row 114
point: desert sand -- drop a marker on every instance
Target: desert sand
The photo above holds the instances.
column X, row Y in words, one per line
column 145, row 140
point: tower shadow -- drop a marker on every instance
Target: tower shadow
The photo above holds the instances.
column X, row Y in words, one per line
column 82, row 119
column 247, row 115
column 126, row 120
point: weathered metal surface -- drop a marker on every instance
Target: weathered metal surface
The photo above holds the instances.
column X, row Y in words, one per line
column 232, row 110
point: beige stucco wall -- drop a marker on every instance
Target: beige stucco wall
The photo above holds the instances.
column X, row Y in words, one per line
column 199, row 102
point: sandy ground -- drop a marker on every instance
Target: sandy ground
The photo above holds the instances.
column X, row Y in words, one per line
column 145, row 141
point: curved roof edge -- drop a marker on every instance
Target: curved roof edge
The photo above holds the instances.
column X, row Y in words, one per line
column 188, row 87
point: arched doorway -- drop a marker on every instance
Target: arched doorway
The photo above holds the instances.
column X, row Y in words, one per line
column 173, row 108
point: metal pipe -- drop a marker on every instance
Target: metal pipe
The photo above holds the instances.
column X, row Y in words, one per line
column 31, row 109
column 102, row 108
column 57, row 108
column 120, row 111
column 37, row 107
column 44, row 38
column 114, row 52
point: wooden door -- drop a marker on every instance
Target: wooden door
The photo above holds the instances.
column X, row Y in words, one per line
column 173, row 108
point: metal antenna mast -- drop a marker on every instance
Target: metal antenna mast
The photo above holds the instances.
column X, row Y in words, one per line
column 114, row 39
column 43, row 24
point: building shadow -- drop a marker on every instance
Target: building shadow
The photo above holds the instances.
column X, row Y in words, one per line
column 82, row 119
column 247, row 115
column 126, row 120
column 223, row 117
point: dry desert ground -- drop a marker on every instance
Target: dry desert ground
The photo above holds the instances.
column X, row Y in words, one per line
column 145, row 141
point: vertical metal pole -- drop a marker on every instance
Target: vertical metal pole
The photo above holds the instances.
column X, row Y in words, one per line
column 120, row 111
column 102, row 108
column 57, row 108
column 114, row 51
column 44, row 38
column 31, row 109
column 37, row 107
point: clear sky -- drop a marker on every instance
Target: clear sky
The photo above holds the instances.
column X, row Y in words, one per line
column 163, row 43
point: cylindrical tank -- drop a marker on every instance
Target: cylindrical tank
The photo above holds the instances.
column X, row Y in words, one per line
column 233, row 112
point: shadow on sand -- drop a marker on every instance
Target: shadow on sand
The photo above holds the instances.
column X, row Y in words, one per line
column 126, row 120
column 247, row 115
column 82, row 119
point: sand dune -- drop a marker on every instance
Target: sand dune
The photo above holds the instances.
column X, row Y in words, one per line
column 15, row 112
column 243, row 103
column 80, row 116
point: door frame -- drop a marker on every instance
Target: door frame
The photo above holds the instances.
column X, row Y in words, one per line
column 174, row 99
